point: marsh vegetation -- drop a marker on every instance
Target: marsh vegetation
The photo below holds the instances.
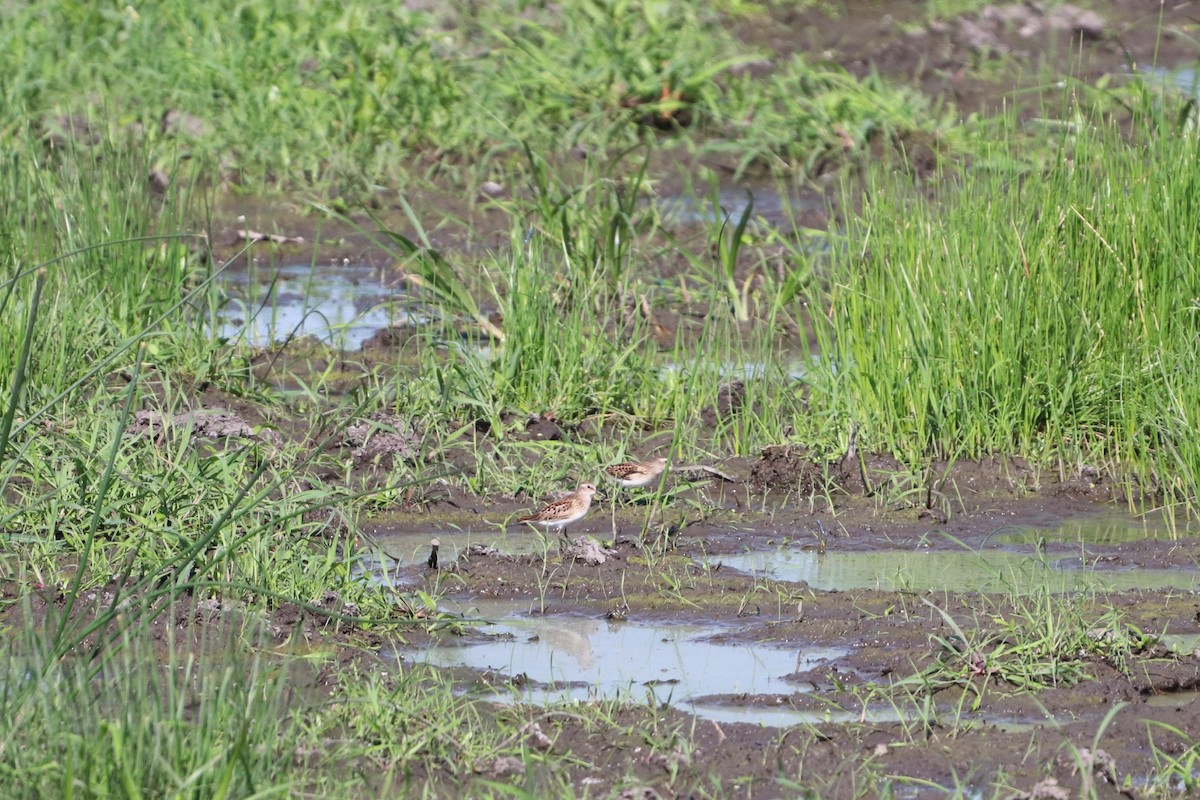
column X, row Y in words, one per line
column 910, row 314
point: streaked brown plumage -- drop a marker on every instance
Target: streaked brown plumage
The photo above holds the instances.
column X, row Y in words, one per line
column 631, row 474
column 561, row 513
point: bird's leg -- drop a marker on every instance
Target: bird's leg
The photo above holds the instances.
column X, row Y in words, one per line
column 614, row 516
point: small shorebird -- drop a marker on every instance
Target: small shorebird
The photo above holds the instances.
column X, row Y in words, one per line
column 562, row 513
column 632, row 474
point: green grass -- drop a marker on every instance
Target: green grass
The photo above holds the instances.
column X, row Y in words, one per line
column 1056, row 326
column 345, row 96
column 1048, row 313
column 1041, row 641
column 1031, row 307
column 205, row 727
column 219, row 710
column 106, row 303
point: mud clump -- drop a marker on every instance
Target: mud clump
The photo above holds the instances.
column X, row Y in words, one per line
column 989, row 31
column 393, row 337
column 731, row 396
column 589, row 551
column 786, row 467
column 178, row 123
column 216, row 423
column 542, row 429
column 383, row 437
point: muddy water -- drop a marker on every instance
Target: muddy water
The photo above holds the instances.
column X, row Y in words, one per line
column 764, row 203
column 940, row 571
column 783, row 716
column 1185, row 79
column 341, row 306
column 687, row 662
column 1018, row 560
column 1099, row 530
column 568, row 657
column 573, row 658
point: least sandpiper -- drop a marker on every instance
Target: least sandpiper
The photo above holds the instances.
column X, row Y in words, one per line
column 632, row 474
column 561, row 513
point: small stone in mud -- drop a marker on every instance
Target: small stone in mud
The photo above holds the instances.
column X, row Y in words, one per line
column 1077, row 21
column 1028, row 21
column 979, row 38
column 730, row 396
column 935, row 515
column 1047, row 789
column 62, row 130
column 331, row 601
column 756, row 68
column 786, row 467
column 159, row 182
column 388, row 338
column 208, row 610
column 491, row 189
column 285, row 619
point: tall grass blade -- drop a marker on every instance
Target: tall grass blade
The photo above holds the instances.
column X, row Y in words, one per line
column 14, row 396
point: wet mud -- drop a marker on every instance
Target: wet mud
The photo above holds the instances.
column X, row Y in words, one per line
column 792, row 645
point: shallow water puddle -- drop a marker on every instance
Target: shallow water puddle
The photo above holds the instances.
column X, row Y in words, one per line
column 1065, row 566
column 1093, row 530
column 945, row 716
column 769, row 204
column 342, row 306
column 949, row 571
column 586, row 658
column 1185, row 79
column 570, row 658
column 783, row 716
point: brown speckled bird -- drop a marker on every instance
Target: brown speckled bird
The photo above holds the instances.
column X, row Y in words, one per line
column 632, row 474
column 561, row 513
